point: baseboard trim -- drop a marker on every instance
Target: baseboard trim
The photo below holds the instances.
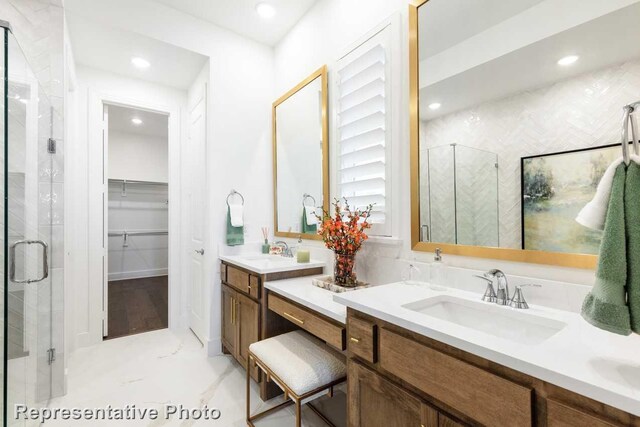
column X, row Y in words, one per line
column 214, row 347
column 140, row 274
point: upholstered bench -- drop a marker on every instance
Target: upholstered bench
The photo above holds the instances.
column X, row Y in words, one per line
column 301, row 365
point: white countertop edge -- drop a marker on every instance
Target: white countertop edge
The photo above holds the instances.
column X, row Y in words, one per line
column 608, row 397
column 309, row 303
column 238, row 261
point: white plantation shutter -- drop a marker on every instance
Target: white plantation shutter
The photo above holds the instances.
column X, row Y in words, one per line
column 363, row 128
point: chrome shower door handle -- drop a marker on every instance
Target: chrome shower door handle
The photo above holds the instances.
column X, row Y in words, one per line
column 45, row 261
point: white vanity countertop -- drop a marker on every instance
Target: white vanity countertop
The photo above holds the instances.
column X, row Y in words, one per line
column 580, row 357
column 302, row 291
column 265, row 264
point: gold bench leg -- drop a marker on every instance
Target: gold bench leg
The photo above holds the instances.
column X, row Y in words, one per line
column 298, row 414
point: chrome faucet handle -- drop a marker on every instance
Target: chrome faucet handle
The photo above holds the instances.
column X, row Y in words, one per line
column 286, row 250
column 518, row 300
column 489, row 293
column 502, row 286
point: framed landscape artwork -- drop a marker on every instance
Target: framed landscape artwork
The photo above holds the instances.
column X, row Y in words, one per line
column 555, row 187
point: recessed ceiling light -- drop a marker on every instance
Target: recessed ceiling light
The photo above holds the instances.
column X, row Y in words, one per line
column 136, row 121
column 140, row 62
column 568, row 60
column 435, row 106
column 265, row 10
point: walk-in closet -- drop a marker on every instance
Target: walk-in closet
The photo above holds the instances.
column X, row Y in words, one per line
column 137, row 221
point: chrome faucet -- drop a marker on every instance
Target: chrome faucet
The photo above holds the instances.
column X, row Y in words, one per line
column 518, row 300
column 489, row 293
column 502, row 286
column 286, row 251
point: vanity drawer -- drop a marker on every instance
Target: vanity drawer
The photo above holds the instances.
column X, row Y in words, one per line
column 242, row 281
column 324, row 329
column 561, row 415
column 487, row 398
column 361, row 339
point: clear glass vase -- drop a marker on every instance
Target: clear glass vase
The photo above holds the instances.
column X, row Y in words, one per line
column 343, row 269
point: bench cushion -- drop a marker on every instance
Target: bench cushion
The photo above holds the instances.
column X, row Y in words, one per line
column 300, row 360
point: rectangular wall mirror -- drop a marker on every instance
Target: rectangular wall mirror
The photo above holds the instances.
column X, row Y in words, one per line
column 516, row 112
column 301, row 157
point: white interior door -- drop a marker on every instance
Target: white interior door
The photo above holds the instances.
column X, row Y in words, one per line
column 105, row 216
column 196, row 189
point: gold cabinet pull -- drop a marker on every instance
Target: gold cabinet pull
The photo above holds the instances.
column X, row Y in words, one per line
column 295, row 319
column 355, row 340
column 233, row 311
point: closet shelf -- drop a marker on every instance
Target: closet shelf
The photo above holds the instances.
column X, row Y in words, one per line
column 126, row 182
column 131, row 181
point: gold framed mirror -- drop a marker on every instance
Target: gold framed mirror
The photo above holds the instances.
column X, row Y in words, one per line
column 513, row 125
column 300, row 137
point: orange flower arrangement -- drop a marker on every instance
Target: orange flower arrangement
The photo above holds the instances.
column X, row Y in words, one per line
column 344, row 234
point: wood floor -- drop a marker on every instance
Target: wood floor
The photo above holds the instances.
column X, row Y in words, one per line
column 138, row 305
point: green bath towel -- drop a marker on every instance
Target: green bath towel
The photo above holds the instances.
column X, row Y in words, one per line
column 606, row 305
column 306, row 228
column 235, row 235
column 632, row 220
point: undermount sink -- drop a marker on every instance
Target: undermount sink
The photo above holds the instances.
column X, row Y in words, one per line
column 499, row 321
column 269, row 260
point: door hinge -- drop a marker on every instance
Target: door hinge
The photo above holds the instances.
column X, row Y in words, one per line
column 51, row 146
column 51, row 355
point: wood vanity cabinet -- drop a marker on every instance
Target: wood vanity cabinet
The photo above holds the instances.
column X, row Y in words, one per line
column 245, row 317
column 377, row 402
column 240, row 325
column 229, row 328
column 399, row 378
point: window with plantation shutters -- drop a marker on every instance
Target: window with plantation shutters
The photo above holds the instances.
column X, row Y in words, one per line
column 363, row 128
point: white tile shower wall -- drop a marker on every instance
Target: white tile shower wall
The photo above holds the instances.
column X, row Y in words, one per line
column 572, row 114
column 38, row 27
column 318, row 38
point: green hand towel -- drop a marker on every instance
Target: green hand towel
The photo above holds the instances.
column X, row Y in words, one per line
column 606, row 305
column 235, row 235
column 632, row 221
column 306, row 228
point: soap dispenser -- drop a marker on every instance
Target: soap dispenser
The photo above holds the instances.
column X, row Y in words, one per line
column 438, row 270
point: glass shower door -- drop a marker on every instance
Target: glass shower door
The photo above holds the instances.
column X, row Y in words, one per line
column 28, row 216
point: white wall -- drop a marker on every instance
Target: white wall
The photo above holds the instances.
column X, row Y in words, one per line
column 238, row 117
column 144, row 208
column 138, row 157
column 86, row 301
column 319, row 38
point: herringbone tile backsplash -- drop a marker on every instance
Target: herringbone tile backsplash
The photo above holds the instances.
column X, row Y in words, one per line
column 578, row 113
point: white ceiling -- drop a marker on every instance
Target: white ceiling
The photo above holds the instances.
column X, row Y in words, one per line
column 241, row 17
column 111, row 49
column 603, row 42
column 445, row 23
column 153, row 124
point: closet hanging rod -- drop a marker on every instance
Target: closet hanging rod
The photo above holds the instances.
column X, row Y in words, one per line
column 138, row 233
column 132, row 181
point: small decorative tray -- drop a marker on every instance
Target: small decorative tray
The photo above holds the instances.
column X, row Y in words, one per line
column 326, row 282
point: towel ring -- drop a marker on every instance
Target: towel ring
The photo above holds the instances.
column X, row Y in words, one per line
column 234, row 192
column 306, row 196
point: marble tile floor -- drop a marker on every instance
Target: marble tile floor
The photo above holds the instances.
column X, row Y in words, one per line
column 171, row 367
